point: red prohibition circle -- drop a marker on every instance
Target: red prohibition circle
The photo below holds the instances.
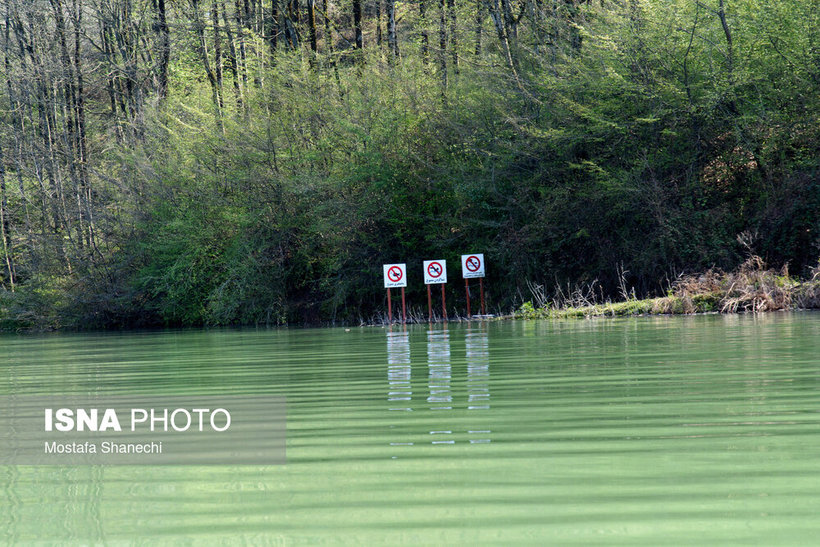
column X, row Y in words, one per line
column 394, row 273
column 473, row 263
column 432, row 273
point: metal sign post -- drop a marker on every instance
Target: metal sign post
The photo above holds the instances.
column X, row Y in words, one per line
column 429, row 305
column 403, row 308
column 395, row 275
column 473, row 266
column 443, row 304
column 467, row 292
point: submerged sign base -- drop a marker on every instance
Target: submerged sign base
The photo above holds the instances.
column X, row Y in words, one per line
column 129, row 430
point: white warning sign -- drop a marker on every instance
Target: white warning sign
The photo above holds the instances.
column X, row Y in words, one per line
column 395, row 275
column 472, row 266
column 435, row 271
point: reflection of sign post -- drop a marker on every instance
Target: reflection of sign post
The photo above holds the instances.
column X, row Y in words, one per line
column 435, row 273
column 473, row 266
column 395, row 275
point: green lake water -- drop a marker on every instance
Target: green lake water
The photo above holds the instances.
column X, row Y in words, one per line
column 651, row 430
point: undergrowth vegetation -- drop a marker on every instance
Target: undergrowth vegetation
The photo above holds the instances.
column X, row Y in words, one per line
column 751, row 288
column 221, row 163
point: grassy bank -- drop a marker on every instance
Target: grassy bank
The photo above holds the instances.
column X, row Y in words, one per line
column 751, row 288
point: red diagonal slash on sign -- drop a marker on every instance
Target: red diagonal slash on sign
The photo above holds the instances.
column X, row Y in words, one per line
column 434, row 269
column 394, row 273
column 473, row 263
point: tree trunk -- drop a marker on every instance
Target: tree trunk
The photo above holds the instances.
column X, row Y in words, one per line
column 240, row 31
column 357, row 23
column 392, row 39
column 425, row 38
column 296, row 12
column 217, row 50
column 501, row 30
column 274, row 27
column 233, row 63
column 329, row 48
column 479, row 22
column 379, row 22
column 509, row 21
column 17, row 122
column 202, row 48
column 82, row 140
column 442, row 35
column 730, row 55
column 164, row 37
column 5, row 227
column 451, row 8
column 110, row 83
column 311, row 14
column 291, row 19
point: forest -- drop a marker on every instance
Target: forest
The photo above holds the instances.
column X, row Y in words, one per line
column 248, row 162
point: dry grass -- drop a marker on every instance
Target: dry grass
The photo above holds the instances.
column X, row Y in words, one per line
column 808, row 295
column 751, row 288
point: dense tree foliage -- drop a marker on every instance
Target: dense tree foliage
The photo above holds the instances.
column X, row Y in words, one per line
column 186, row 162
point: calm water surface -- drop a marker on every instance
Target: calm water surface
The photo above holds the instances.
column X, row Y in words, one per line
column 697, row 430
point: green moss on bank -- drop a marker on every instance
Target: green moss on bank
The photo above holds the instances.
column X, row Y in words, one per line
column 647, row 306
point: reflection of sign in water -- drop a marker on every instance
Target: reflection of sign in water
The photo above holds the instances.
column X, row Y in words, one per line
column 478, row 382
column 472, row 266
column 400, row 390
column 398, row 371
column 435, row 271
column 438, row 381
column 448, row 427
column 395, row 275
column 438, row 363
column 478, row 371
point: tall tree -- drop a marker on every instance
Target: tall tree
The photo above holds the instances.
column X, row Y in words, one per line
column 164, row 46
column 479, row 23
column 311, row 14
column 451, row 8
column 233, row 58
column 357, row 24
column 425, row 39
column 442, row 42
column 5, row 225
column 392, row 39
column 202, row 49
column 379, row 23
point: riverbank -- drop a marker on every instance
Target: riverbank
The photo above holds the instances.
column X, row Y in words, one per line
column 751, row 288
